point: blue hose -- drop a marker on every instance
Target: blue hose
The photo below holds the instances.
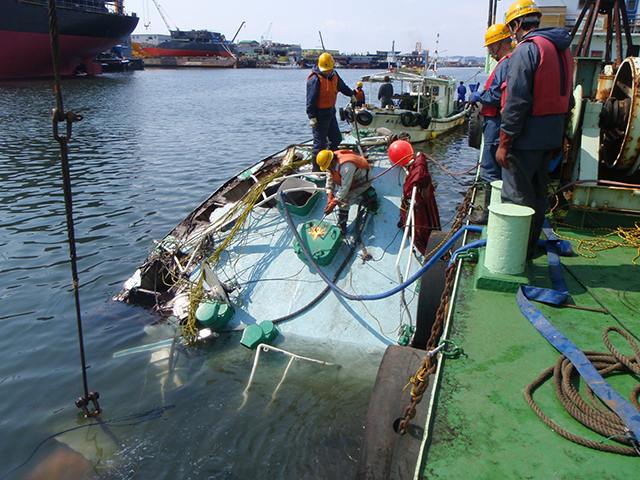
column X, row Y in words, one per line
column 444, row 249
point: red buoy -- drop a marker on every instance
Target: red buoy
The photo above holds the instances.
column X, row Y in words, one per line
column 400, row 152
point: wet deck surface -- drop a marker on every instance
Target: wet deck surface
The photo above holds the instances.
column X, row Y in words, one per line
column 483, row 426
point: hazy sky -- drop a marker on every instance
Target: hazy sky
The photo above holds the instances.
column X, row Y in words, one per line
column 351, row 27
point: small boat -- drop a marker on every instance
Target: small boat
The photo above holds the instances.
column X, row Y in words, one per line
column 259, row 253
column 424, row 108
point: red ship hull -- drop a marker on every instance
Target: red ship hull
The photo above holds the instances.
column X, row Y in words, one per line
column 26, row 46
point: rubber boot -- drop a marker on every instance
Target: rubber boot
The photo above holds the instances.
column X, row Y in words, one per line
column 343, row 216
column 481, row 217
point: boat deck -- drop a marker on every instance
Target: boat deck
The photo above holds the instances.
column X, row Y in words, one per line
column 482, row 426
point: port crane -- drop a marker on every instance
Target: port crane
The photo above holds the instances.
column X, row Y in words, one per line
column 165, row 17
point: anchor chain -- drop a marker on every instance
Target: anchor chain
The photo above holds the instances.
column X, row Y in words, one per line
column 58, row 115
column 420, row 380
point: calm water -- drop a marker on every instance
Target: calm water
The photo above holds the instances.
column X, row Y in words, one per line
column 152, row 146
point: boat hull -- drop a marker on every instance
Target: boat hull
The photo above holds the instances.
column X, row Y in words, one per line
column 83, row 35
column 179, row 49
column 392, row 120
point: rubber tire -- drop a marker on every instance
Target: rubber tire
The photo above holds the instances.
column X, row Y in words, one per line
column 406, row 119
column 425, row 120
column 417, row 120
column 341, row 114
column 475, row 129
column 348, row 115
column 364, row 118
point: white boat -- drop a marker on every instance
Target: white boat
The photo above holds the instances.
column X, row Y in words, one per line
column 424, row 107
column 240, row 253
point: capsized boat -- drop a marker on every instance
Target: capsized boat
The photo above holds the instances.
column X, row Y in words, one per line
column 424, row 107
column 259, row 256
column 532, row 368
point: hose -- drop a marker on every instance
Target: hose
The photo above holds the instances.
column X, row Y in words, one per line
column 432, row 261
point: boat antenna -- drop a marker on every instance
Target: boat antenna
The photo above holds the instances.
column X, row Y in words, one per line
column 322, row 41
column 241, row 25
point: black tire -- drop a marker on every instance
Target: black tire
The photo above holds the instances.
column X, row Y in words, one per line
column 425, row 120
column 406, row 119
column 364, row 118
column 416, row 120
column 348, row 114
column 341, row 114
column 475, row 129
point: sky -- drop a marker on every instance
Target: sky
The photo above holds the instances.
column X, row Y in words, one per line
column 350, row 27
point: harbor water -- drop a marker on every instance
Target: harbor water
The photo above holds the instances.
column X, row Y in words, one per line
column 153, row 145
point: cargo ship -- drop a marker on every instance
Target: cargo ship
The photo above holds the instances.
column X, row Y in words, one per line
column 86, row 29
column 192, row 43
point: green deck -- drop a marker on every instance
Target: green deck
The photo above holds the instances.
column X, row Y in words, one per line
column 483, row 427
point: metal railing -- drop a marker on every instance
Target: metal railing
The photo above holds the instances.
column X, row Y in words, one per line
column 97, row 6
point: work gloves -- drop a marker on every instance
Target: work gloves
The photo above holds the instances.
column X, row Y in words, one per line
column 331, row 203
column 314, row 123
column 503, row 150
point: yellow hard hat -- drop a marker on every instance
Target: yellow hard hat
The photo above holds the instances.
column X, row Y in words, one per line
column 495, row 33
column 324, row 159
column 359, row 84
column 326, row 62
column 520, row 9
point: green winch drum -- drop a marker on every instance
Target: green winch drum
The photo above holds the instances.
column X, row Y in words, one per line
column 214, row 315
column 299, row 202
column 322, row 248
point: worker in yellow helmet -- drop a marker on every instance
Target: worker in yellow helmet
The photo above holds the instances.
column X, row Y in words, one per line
column 359, row 92
column 323, row 85
column 350, row 174
column 498, row 41
column 535, row 106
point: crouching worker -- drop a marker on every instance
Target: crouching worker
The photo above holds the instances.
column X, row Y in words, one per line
column 351, row 175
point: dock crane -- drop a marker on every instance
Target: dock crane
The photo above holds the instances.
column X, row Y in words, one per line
column 238, row 31
column 164, row 16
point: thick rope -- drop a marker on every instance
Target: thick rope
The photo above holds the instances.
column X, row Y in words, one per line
column 593, row 415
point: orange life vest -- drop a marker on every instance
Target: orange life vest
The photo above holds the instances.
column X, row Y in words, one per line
column 552, row 82
column 487, row 110
column 359, row 95
column 344, row 156
column 328, row 90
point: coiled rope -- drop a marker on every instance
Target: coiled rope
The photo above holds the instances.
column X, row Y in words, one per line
column 593, row 415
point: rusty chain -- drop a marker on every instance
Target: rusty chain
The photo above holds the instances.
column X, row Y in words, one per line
column 420, row 380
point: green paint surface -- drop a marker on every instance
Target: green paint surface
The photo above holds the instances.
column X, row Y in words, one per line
column 483, row 426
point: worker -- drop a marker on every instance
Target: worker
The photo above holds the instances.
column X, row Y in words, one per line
column 462, row 94
column 323, row 85
column 351, row 175
column 359, row 95
column 385, row 93
column 497, row 40
column 535, row 108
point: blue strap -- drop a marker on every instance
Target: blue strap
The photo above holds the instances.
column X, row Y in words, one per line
column 627, row 412
column 555, row 268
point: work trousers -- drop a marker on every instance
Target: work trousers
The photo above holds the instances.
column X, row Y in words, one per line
column 327, row 129
column 490, row 170
column 525, row 183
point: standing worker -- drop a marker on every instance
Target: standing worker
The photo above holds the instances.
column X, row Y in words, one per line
column 352, row 174
column 462, row 93
column 538, row 94
column 359, row 93
column 498, row 42
column 385, row 93
column 323, row 85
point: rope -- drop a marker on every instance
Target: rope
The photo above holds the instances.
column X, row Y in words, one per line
column 592, row 415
